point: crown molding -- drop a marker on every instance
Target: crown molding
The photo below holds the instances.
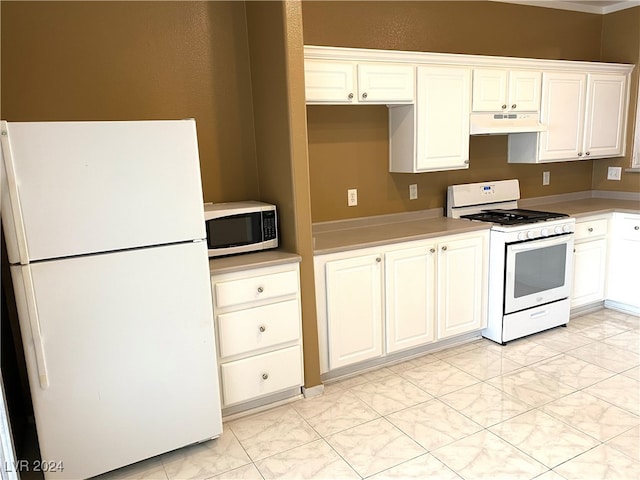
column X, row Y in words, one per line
column 576, row 6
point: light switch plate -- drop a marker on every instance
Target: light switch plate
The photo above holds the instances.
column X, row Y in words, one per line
column 614, row 173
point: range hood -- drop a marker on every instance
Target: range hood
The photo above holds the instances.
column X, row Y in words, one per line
column 504, row 123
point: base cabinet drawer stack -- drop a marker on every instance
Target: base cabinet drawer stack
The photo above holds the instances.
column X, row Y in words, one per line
column 258, row 325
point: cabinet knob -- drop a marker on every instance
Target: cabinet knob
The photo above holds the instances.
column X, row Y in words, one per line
column 579, row 154
column 378, row 259
column 262, row 328
column 265, row 376
column 504, row 106
column 588, row 153
column 350, row 96
column 636, row 227
column 444, row 248
column 513, row 106
column 364, row 95
column 260, row 289
column 590, row 229
column 432, row 250
column 466, row 162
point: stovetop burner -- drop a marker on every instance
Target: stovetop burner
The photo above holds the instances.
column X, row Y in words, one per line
column 516, row 216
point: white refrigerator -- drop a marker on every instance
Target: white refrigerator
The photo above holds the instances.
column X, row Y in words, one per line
column 105, row 233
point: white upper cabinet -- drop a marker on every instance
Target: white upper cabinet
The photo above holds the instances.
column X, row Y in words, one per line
column 338, row 82
column 563, row 98
column 604, row 128
column 435, row 134
column 585, row 115
column 501, row 90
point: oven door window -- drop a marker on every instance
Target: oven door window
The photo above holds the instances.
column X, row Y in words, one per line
column 234, row 230
column 538, row 272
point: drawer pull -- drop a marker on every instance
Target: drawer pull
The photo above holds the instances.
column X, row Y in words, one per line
column 265, row 376
column 260, row 289
column 590, row 229
column 636, row 227
column 262, row 328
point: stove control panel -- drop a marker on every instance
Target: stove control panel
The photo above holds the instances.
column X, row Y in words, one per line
column 529, row 233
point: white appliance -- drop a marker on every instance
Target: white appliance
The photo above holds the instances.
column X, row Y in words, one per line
column 104, row 227
column 487, row 123
column 240, row 227
column 530, row 259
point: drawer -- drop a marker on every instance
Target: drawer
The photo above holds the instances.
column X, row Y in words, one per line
column 262, row 287
column 630, row 228
column 260, row 327
column 591, row 228
column 260, row 375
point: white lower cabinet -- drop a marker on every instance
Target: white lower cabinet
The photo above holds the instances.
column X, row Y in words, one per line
column 373, row 302
column 462, row 285
column 410, row 311
column 589, row 261
column 354, row 309
column 258, row 329
column 624, row 262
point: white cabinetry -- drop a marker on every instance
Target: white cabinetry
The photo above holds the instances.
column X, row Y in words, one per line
column 338, row 82
column 354, row 309
column 585, row 115
column 410, row 280
column 502, row 90
column 433, row 135
column 462, row 272
column 589, row 261
column 624, row 264
column 258, row 327
column 399, row 297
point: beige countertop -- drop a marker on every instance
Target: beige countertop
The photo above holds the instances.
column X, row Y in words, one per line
column 236, row 263
column 587, row 206
column 385, row 230
column 383, row 234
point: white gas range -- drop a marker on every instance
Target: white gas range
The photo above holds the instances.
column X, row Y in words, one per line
column 530, row 259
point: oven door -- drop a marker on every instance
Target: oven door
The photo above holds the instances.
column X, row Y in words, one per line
column 538, row 272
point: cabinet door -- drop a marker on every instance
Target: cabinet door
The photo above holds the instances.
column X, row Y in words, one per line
column 605, row 114
column 562, row 110
column 461, row 286
column 410, row 297
column 489, row 90
column 329, row 81
column 354, row 309
column 442, row 111
column 524, row 91
column 589, row 270
column 624, row 263
column 385, row 83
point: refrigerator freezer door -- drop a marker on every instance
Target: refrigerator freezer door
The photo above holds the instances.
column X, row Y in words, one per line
column 87, row 187
column 130, row 354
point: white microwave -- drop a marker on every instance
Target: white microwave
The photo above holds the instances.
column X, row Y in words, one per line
column 240, row 227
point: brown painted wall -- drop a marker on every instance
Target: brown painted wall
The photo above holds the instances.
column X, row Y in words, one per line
column 621, row 43
column 138, row 60
column 348, row 145
column 277, row 73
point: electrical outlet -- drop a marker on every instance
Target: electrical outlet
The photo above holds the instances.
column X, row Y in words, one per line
column 413, row 191
column 614, row 173
column 546, row 178
column 352, row 197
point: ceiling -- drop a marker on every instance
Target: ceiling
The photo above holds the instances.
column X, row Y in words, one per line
column 588, row 6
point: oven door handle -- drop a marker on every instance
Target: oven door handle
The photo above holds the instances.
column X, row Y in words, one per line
column 541, row 243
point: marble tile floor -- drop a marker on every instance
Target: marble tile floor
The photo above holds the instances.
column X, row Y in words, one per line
column 562, row 404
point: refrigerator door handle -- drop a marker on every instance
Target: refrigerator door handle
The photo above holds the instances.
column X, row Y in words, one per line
column 34, row 324
column 12, row 187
